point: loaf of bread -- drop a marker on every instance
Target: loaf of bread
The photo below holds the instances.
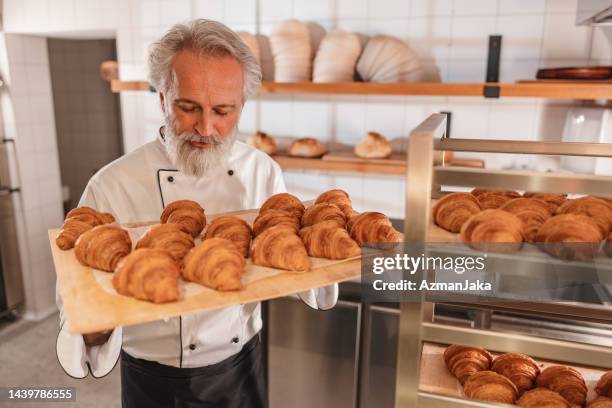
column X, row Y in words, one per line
column 263, row 142
column 373, row 146
column 307, row 147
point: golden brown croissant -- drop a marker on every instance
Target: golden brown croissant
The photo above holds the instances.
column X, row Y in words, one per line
column 70, row 232
column 454, row 209
column 340, row 198
column 102, row 247
column 323, row 212
column 532, row 212
column 327, row 240
column 86, row 214
column 565, row 380
column 477, row 192
column 187, row 214
column 170, row 238
column 148, row 274
column 490, row 386
column 107, row 218
column 464, row 361
column 272, row 218
column 542, row 398
column 263, row 142
column 372, row 228
column 231, row 228
column 600, row 402
column 279, row 247
column 493, row 230
column 522, row 370
column 553, row 200
column 216, row 263
column 598, row 209
column 285, row 202
column 570, row 236
column 604, row 385
column 492, row 200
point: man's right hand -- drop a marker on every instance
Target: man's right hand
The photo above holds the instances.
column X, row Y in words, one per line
column 97, row 338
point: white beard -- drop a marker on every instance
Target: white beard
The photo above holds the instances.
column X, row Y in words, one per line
column 192, row 160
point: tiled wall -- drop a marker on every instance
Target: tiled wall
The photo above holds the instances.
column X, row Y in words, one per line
column 86, row 113
column 449, row 35
column 28, row 119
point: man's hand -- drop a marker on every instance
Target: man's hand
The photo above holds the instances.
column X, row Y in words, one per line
column 97, row 338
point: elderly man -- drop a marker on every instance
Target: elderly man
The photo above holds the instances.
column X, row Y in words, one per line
column 204, row 74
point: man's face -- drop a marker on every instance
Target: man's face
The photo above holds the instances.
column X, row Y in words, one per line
column 202, row 110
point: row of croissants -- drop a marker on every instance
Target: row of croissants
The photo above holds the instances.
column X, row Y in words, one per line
column 572, row 229
column 516, row 378
column 301, row 52
column 283, row 236
column 372, row 146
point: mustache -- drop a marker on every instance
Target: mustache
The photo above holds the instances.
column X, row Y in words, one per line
column 193, row 137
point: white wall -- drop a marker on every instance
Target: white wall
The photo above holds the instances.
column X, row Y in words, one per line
column 450, row 35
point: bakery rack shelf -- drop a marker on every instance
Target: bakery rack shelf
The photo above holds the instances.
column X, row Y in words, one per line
column 553, row 90
column 417, row 325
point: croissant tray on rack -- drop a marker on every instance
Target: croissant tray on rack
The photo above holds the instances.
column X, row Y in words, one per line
column 92, row 304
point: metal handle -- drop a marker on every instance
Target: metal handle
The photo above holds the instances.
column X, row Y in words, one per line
column 9, row 190
column 5, row 140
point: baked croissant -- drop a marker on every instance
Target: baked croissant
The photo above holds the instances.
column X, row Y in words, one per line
column 86, row 214
column 148, row 274
column 327, row 240
column 70, row 232
column 170, row 238
column 565, row 380
column 102, row 247
column 263, row 142
column 464, row 361
column 490, row 386
column 553, row 200
column 532, row 212
column 373, row 146
column 272, row 218
column 522, row 370
column 107, row 218
column 570, row 236
column 323, row 212
column 596, row 208
column 187, row 214
column 478, row 192
column 279, row 247
column 285, row 202
column 233, row 229
column 454, row 209
column 372, row 228
column 216, row 263
column 600, row 402
column 338, row 197
column 604, row 385
column 493, row 230
column 491, row 200
column 542, row 398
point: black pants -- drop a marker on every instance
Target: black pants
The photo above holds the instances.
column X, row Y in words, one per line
column 237, row 382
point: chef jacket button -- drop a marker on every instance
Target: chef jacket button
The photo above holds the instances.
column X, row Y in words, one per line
column 235, row 340
column 171, row 179
column 230, row 172
column 192, row 347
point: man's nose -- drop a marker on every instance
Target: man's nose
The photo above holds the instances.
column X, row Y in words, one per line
column 205, row 126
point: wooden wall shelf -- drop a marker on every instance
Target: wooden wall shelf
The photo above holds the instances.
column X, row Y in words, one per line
column 535, row 89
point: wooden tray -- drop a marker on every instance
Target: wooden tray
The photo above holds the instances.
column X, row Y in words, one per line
column 396, row 159
column 436, row 378
column 91, row 303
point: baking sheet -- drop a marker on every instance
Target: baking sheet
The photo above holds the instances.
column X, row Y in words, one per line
column 91, row 303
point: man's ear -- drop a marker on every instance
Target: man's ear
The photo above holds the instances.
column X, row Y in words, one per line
column 161, row 102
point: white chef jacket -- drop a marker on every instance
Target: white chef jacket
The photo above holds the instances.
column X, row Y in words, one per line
column 136, row 187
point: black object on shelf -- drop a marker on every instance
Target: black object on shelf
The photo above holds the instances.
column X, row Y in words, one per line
column 449, row 115
column 492, row 91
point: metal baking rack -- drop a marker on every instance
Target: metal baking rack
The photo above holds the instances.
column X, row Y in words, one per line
column 416, row 318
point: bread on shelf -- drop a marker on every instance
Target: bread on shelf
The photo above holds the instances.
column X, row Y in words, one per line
column 570, row 237
column 463, row 361
column 327, row 240
column 170, row 238
column 279, row 247
column 340, row 198
column 493, row 230
column 490, row 386
column 493, row 199
column 542, row 397
column 232, row 228
column 148, row 274
column 604, row 385
column 187, row 214
column 454, row 209
column 565, row 380
column 373, row 146
column 521, row 369
column 102, row 247
column 599, row 210
column 323, row 212
column 553, row 200
column 215, row 263
column 307, row 147
column 285, row 202
column 532, row 212
column 263, row 142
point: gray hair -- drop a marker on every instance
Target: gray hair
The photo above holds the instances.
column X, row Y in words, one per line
column 206, row 37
